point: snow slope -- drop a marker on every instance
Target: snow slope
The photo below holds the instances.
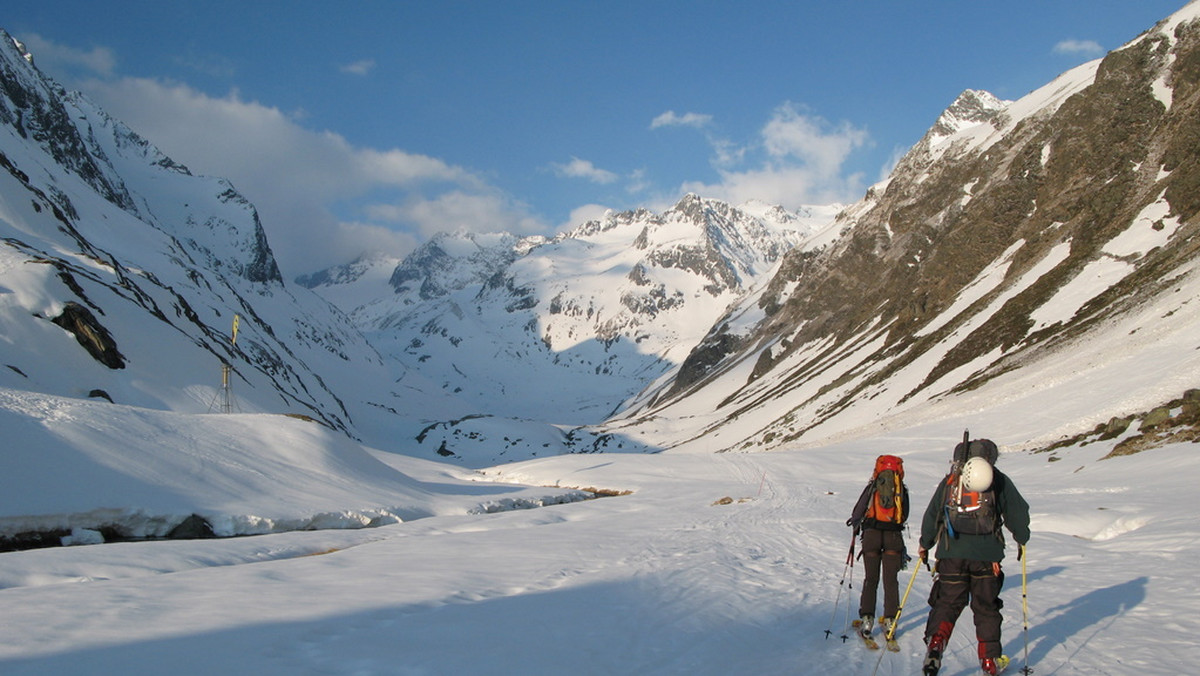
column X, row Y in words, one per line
column 662, row 581
column 78, row 464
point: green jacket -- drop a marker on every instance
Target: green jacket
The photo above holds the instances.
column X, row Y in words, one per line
column 1014, row 515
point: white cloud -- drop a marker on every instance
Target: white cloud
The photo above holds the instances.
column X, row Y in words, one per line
column 726, row 153
column 1084, row 47
column 362, row 67
column 810, row 139
column 55, row 57
column 457, row 210
column 584, row 169
column 790, row 186
column 898, row 154
column 671, row 119
column 638, row 182
column 214, row 65
column 346, row 241
column 798, row 159
column 309, row 186
column 583, row 214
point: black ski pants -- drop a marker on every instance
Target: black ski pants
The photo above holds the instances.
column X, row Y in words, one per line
column 883, row 556
column 963, row 581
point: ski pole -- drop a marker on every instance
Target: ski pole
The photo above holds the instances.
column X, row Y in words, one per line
column 838, row 600
column 896, row 620
column 849, row 601
column 1025, row 608
column 849, row 589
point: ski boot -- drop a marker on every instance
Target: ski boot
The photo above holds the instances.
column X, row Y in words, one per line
column 993, row 665
column 933, row 658
column 937, row 643
column 863, row 627
column 865, row 624
column 887, row 624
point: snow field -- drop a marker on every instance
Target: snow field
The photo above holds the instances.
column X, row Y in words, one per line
column 662, row 581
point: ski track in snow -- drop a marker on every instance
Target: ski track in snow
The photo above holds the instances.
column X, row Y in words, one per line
column 663, row 581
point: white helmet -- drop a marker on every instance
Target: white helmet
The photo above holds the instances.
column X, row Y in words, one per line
column 977, row 475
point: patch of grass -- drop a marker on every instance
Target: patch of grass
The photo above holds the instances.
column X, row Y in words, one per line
column 1155, row 438
column 1177, row 421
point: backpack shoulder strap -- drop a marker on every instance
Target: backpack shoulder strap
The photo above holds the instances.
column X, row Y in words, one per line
column 864, row 501
column 941, row 495
column 999, row 484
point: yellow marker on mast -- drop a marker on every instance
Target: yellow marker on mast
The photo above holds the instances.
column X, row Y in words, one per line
column 226, row 395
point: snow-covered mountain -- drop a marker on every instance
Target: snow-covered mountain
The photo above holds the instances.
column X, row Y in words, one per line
column 1004, row 245
column 515, row 342
column 127, row 285
column 124, row 247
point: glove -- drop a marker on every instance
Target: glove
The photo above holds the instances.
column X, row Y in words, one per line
column 923, row 554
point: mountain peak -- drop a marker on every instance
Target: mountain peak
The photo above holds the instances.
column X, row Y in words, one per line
column 451, row 261
column 19, row 45
column 972, row 107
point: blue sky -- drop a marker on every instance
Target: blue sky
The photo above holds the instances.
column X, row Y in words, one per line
column 372, row 125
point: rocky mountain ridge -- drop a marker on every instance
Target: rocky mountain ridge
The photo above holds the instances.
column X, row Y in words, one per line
column 106, row 237
column 1010, row 232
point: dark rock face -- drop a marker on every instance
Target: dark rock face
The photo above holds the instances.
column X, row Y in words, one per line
column 91, row 334
column 36, row 111
column 192, row 528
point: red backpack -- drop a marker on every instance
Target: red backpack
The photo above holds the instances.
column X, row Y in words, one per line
column 887, row 504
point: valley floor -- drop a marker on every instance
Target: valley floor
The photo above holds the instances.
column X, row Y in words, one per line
column 662, row 581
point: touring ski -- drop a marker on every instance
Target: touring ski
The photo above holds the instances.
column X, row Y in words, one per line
column 889, row 634
column 863, row 629
column 933, row 664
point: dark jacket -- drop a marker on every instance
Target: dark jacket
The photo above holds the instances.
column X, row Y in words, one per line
column 858, row 518
column 1013, row 512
